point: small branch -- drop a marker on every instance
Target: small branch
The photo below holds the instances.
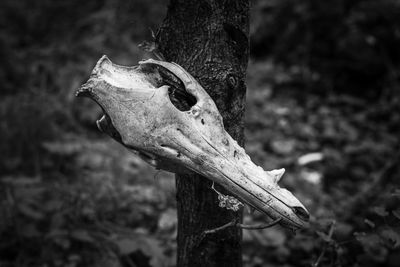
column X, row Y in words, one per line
column 260, row 226
column 321, row 256
column 243, row 226
column 229, row 224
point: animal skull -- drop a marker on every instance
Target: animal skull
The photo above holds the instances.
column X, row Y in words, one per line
column 140, row 114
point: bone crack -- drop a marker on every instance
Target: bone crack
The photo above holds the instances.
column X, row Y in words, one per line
column 236, row 223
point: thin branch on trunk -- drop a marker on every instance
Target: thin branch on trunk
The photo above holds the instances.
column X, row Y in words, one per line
column 243, row 226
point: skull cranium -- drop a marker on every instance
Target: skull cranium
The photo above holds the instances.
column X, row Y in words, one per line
column 140, row 114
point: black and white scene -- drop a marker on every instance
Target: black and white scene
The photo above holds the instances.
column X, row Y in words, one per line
column 199, row 133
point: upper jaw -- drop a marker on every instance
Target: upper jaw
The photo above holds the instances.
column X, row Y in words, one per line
column 104, row 123
column 139, row 114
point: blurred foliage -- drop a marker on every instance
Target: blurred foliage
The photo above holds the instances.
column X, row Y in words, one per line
column 335, row 45
column 323, row 102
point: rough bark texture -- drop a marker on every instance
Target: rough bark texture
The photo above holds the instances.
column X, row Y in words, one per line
column 210, row 40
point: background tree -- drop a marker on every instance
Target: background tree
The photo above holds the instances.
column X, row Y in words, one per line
column 210, row 40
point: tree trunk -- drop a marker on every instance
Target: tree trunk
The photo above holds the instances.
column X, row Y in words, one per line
column 210, row 40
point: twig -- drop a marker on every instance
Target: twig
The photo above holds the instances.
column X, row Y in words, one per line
column 260, row 226
column 321, row 256
column 229, row 224
column 235, row 223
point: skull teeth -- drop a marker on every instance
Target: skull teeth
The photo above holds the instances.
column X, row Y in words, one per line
column 99, row 122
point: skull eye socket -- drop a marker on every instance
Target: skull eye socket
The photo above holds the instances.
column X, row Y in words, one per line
column 181, row 99
column 178, row 95
column 301, row 213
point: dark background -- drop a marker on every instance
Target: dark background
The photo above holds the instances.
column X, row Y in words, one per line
column 322, row 102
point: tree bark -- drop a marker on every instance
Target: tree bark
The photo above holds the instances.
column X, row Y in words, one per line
column 210, row 40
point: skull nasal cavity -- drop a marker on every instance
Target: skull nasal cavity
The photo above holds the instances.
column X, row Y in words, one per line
column 301, row 213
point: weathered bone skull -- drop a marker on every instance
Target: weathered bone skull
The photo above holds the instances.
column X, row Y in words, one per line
column 140, row 114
